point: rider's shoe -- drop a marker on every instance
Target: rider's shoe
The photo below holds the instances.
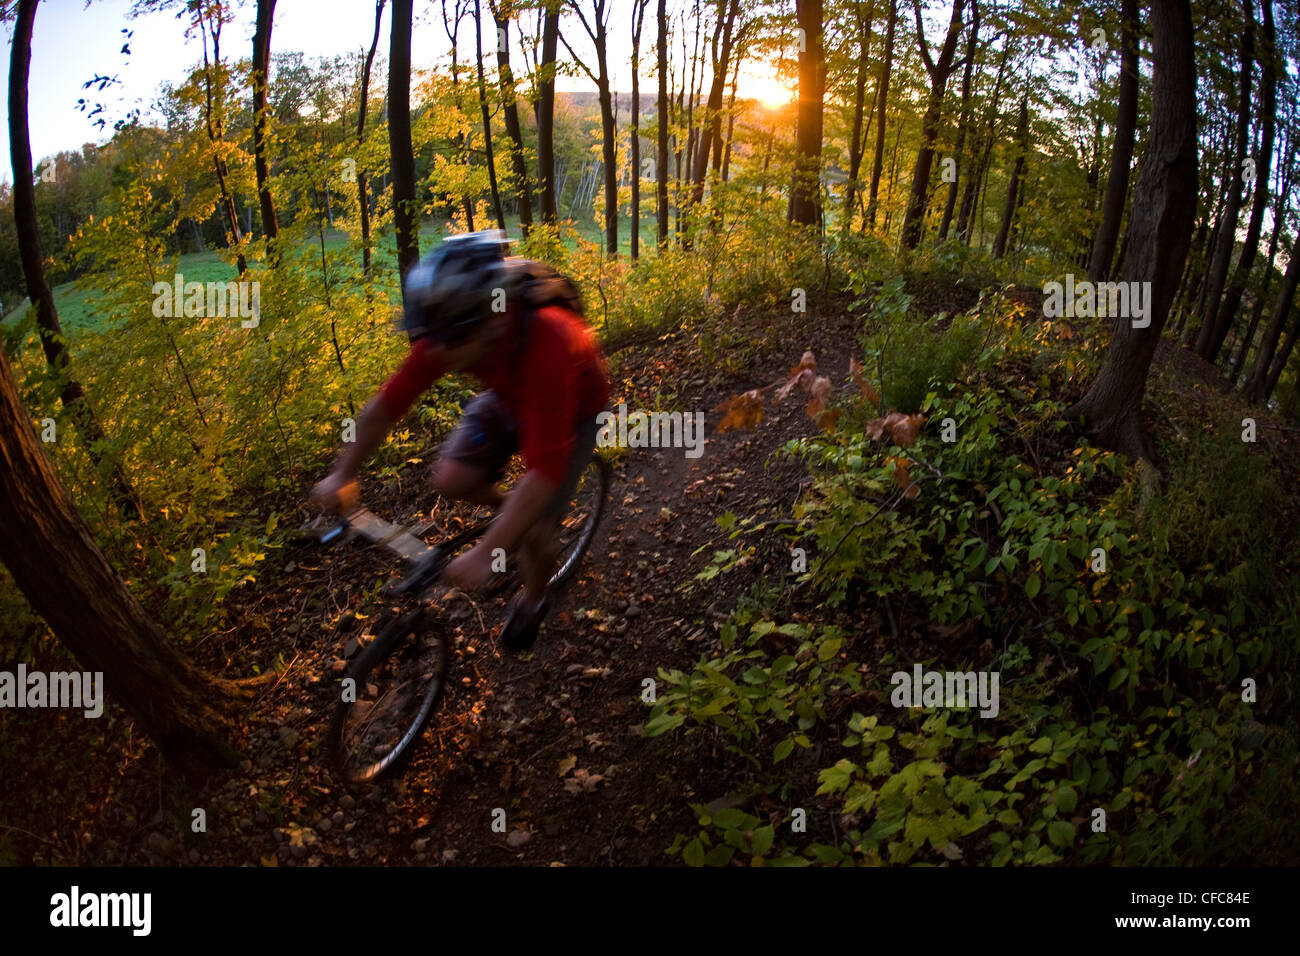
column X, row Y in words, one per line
column 523, row 622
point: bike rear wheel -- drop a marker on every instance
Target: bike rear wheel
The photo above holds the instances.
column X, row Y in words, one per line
column 396, row 682
column 578, row 528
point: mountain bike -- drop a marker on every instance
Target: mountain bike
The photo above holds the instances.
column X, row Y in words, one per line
column 391, row 686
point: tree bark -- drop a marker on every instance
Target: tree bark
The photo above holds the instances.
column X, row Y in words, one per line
column 638, row 22
column 509, row 102
column 1121, row 161
column 53, row 558
column 1209, row 340
column 259, row 78
column 1158, row 235
column 878, row 163
column 1256, row 385
column 805, row 193
column 939, row 71
column 1017, row 172
column 1227, row 313
column 859, row 103
column 71, row 394
column 546, row 113
column 405, row 215
column 599, row 36
column 487, row 118
column 661, row 109
column 963, row 121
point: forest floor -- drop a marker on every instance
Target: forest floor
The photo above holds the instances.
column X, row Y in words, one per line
column 552, row 736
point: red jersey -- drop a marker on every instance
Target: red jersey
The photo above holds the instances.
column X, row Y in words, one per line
column 558, row 381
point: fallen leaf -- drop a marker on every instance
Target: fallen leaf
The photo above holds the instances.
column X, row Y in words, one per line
column 741, row 411
column 566, row 764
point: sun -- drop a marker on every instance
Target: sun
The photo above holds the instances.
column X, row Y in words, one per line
column 761, row 83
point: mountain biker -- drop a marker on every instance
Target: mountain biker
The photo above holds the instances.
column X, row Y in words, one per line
column 471, row 308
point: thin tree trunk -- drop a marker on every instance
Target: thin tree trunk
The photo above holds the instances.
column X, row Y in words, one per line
column 939, row 71
column 1158, row 236
column 402, row 157
column 1017, row 171
column 1112, row 206
column 1256, row 385
column 546, row 114
column 259, row 78
column 661, row 109
column 1209, row 340
column 636, row 133
column 805, row 193
column 963, row 121
column 878, row 164
column 1267, row 108
column 487, row 118
column 509, row 100
column 859, row 101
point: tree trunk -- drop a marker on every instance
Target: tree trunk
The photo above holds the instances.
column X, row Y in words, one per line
column 983, row 148
column 1209, row 340
column 1112, row 205
column 487, row 118
column 636, row 133
column 509, row 100
column 661, row 109
column 1261, row 296
column 216, row 133
column 859, row 103
column 963, row 121
column 1279, row 365
column 711, row 125
column 1158, row 235
column 71, row 394
column 878, row 163
column 1256, row 390
column 1017, row 172
column 55, row 562
column 1267, row 108
column 362, row 200
column 940, row 70
column 259, row 78
column 546, row 114
column 805, row 194
column 402, row 157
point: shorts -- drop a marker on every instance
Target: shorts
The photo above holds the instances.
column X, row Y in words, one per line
column 486, row 438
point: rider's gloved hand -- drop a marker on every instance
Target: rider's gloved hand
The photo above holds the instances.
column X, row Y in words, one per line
column 336, row 493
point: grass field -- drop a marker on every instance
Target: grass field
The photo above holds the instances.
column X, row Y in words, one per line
column 76, row 311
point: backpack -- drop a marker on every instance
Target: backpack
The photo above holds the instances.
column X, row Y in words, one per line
column 540, row 287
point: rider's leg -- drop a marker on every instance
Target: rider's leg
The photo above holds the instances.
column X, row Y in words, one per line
column 476, row 453
column 455, row 479
column 539, row 549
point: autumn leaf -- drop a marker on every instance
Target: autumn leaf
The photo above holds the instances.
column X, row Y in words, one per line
column 819, row 389
column 902, row 428
column 855, row 371
column 566, row 764
column 741, row 411
column 903, row 478
column 801, row 376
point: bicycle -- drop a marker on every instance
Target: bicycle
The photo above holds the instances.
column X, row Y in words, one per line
column 390, row 689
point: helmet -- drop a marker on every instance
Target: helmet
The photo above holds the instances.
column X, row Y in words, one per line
column 449, row 292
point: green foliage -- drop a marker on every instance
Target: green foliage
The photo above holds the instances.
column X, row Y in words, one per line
column 1120, row 694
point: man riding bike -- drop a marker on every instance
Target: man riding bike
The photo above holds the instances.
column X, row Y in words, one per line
column 471, row 308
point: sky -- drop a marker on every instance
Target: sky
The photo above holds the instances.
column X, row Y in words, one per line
column 72, row 42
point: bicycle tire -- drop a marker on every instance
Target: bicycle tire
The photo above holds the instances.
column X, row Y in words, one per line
column 364, row 757
column 597, row 471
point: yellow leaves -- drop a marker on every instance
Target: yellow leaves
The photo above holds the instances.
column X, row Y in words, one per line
column 742, row 411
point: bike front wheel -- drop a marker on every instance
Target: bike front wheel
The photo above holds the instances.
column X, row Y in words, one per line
column 387, row 696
